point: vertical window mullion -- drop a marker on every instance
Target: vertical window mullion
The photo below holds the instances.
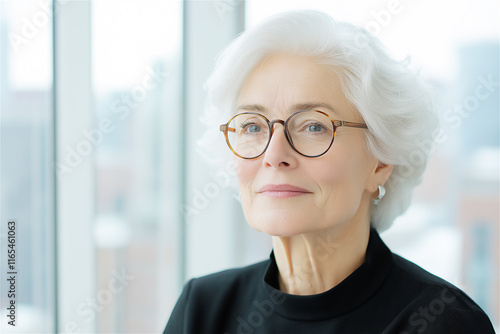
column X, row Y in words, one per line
column 74, row 166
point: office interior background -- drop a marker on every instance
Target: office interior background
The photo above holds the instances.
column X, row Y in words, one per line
column 114, row 201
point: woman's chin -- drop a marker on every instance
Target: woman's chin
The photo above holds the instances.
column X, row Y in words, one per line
column 279, row 226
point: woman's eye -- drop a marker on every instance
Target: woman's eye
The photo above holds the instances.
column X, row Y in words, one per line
column 315, row 128
column 253, row 128
column 250, row 128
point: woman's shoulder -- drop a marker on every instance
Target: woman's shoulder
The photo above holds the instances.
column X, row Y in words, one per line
column 230, row 279
column 425, row 284
column 428, row 301
column 207, row 300
column 414, row 275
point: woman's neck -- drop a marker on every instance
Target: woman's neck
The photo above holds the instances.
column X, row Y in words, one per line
column 316, row 262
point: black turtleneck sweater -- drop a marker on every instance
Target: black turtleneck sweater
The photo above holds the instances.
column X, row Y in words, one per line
column 386, row 294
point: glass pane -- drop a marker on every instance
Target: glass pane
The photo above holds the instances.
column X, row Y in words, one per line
column 26, row 156
column 136, row 60
column 452, row 227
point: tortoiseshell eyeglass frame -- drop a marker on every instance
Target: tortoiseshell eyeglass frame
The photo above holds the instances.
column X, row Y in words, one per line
column 225, row 128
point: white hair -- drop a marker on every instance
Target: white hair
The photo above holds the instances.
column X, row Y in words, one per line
column 392, row 100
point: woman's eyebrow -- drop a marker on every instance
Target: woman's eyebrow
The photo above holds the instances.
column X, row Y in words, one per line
column 294, row 108
column 312, row 105
column 253, row 107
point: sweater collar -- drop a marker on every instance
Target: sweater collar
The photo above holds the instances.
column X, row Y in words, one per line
column 352, row 292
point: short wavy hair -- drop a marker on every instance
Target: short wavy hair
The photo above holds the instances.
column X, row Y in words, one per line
column 391, row 98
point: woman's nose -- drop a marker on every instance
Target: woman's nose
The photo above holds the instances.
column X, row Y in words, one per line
column 279, row 153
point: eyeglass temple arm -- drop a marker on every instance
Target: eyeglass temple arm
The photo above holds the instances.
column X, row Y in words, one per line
column 350, row 124
column 225, row 127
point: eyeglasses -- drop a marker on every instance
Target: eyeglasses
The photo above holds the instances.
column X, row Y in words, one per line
column 309, row 132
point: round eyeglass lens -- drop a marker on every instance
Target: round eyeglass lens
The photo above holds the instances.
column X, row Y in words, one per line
column 248, row 135
column 310, row 132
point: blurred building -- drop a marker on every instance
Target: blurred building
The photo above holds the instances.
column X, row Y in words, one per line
column 478, row 162
column 27, row 188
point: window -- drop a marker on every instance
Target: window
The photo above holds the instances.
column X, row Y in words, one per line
column 136, row 71
column 26, row 164
column 126, row 242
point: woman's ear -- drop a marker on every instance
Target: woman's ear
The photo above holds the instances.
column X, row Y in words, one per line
column 379, row 176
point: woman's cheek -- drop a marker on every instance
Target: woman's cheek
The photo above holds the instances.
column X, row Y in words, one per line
column 241, row 173
column 245, row 173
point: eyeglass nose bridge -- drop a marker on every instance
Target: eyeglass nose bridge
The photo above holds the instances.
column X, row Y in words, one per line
column 274, row 121
column 285, row 130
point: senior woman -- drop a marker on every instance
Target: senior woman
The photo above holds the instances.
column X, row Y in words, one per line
column 326, row 131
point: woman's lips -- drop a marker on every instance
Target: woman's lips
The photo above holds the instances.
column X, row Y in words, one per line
column 282, row 191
